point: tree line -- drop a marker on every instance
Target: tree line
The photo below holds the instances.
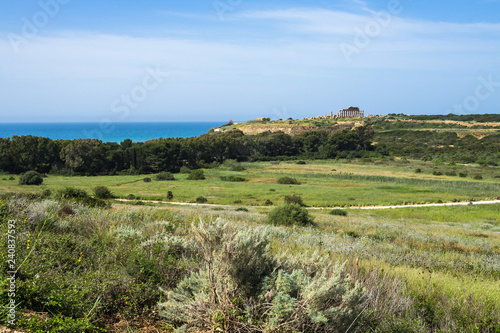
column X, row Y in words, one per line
column 94, row 157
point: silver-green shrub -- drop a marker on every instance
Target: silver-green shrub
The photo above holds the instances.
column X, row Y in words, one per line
column 240, row 286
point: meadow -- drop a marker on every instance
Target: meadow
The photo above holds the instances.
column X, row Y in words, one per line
column 138, row 266
column 328, row 183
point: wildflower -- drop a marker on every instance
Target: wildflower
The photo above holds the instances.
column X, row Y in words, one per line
column 37, row 276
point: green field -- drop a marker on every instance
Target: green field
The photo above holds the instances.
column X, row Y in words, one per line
column 418, row 269
column 323, row 184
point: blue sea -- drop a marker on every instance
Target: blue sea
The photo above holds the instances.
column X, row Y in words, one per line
column 112, row 132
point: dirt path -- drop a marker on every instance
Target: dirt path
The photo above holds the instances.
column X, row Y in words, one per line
column 484, row 202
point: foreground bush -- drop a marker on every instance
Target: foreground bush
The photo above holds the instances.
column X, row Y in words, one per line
column 240, row 287
column 290, row 214
column 31, row 178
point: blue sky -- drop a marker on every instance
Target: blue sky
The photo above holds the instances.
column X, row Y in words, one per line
column 95, row 61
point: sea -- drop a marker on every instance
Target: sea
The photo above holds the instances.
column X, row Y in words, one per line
column 109, row 132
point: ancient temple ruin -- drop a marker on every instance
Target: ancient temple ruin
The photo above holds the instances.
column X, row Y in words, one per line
column 350, row 112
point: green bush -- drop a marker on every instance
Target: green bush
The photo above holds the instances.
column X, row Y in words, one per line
column 164, row 176
column 147, row 180
column 184, row 169
column 201, row 199
column 288, row 180
column 451, row 173
column 462, row 174
column 197, row 174
column 46, row 193
column 418, row 170
column 339, row 212
column 478, row 177
column 297, row 199
column 241, row 209
column 437, row 173
column 78, row 195
column 238, row 167
column 290, row 214
column 240, row 287
column 102, row 192
column 268, row 203
column 232, row 179
column 301, row 162
column 12, row 178
column 71, row 193
column 31, row 178
column 170, row 195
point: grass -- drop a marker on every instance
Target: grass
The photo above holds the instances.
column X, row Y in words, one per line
column 435, row 268
column 379, row 182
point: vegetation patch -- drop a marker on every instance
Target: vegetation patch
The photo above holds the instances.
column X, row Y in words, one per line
column 197, row 174
column 31, row 178
column 288, row 180
column 290, row 214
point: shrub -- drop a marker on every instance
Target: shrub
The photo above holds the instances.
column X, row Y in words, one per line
column 71, row 193
column 78, row 195
column 301, row 162
column 196, row 175
column 232, row 179
column 418, row 170
column 462, row 174
column 297, row 199
column 241, row 209
column 164, row 176
column 478, row 177
column 201, row 199
column 102, row 192
column 31, row 178
column 288, row 180
column 237, row 201
column 131, row 196
column 238, row 167
column 170, row 195
column 290, row 214
column 339, row 212
column 147, row 180
column 437, row 173
column 451, row 173
column 268, row 203
column 272, row 190
column 12, row 178
column 239, row 287
column 66, row 210
column 185, row 169
column 46, row 193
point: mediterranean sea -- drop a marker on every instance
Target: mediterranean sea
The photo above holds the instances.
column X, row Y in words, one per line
column 112, row 132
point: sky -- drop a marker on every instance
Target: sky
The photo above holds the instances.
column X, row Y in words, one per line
column 218, row 60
